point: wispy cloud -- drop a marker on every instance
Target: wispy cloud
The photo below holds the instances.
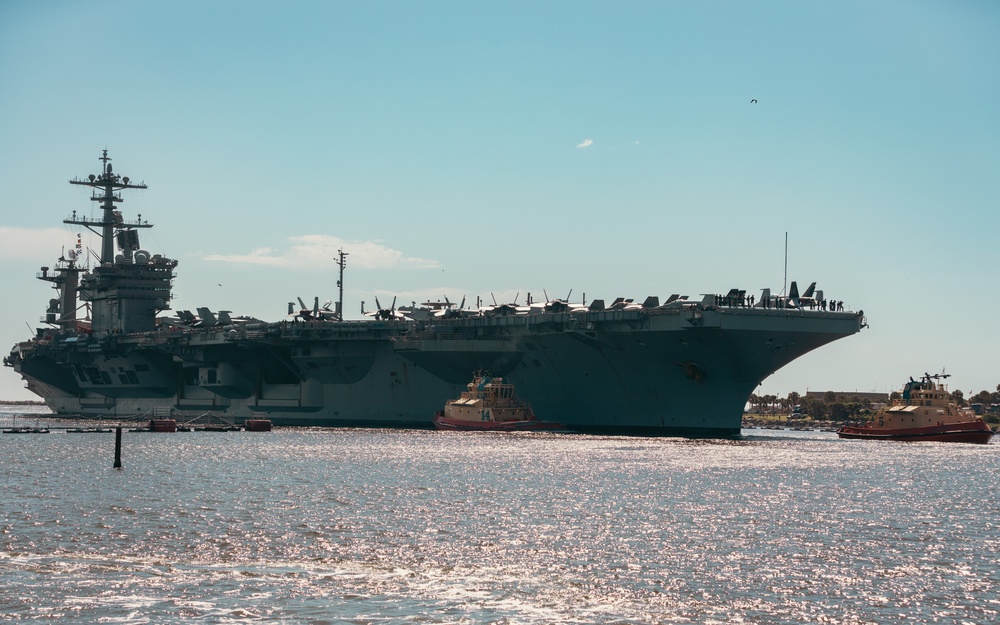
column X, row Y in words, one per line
column 34, row 244
column 318, row 251
column 586, row 143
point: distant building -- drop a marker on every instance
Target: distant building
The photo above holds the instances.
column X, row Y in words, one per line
column 875, row 398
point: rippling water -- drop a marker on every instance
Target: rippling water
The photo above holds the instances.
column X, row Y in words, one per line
column 377, row 526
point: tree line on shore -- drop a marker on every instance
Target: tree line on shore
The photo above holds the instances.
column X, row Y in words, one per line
column 847, row 407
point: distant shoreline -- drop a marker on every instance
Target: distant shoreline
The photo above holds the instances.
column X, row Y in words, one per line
column 27, row 402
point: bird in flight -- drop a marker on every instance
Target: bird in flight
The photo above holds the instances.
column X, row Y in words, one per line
column 754, row 101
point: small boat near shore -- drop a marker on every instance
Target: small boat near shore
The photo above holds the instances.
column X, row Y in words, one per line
column 925, row 412
column 162, row 425
column 257, row 424
column 490, row 404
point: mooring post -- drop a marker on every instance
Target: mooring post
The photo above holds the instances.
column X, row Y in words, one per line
column 118, row 447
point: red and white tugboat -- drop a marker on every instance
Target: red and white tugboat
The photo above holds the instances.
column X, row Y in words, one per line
column 924, row 413
column 490, row 405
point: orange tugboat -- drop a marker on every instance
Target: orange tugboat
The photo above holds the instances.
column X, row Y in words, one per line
column 924, row 413
column 490, row 405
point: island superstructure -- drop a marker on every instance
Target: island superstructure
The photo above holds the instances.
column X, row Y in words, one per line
column 684, row 367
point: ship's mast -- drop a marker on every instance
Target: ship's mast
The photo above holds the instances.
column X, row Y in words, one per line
column 785, row 284
column 66, row 281
column 127, row 290
column 110, row 220
column 342, row 263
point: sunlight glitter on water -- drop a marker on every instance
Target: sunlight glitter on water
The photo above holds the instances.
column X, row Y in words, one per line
column 375, row 526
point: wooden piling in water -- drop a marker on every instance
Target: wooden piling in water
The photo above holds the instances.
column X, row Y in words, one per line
column 118, row 447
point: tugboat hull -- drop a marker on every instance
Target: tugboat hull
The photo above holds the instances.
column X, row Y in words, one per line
column 460, row 425
column 974, row 432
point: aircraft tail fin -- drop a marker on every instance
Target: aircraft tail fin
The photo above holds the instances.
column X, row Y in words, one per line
column 206, row 316
column 765, row 299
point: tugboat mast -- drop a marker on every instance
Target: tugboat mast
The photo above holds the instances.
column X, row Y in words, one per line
column 111, row 219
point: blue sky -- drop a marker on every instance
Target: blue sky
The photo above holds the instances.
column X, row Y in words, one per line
column 466, row 148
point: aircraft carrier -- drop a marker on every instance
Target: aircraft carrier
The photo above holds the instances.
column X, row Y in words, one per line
column 681, row 367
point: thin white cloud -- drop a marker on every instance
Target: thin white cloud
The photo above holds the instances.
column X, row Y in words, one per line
column 319, row 251
column 34, row 244
column 586, row 143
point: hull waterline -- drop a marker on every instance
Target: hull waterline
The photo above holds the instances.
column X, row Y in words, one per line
column 962, row 433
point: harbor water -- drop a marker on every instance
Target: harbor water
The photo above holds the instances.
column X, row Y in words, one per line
column 379, row 526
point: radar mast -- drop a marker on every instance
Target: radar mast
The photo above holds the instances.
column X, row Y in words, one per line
column 111, row 220
column 127, row 290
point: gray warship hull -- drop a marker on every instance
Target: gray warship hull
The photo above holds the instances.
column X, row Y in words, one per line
column 683, row 367
column 685, row 371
